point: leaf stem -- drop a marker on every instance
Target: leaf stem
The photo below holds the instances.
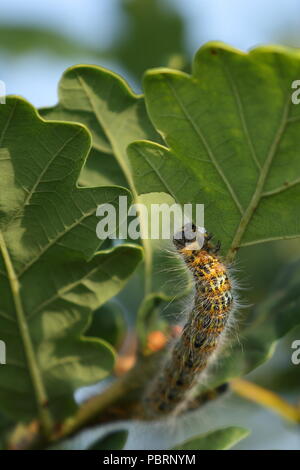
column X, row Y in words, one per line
column 266, row 398
column 93, row 408
column 130, row 384
column 38, row 386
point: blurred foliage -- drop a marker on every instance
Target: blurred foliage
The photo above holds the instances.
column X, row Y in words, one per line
column 18, row 40
column 153, row 35
column 135, row 47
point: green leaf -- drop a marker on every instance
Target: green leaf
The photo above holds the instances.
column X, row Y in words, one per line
column 50, row 276
column 169, row 279
column 110, row 173
column 103, row 102
column 113, row 441
column 271, row 320
column 232, row 131
column 61, row 112
column 222, row 439
column 109, row 324
column 116, row 117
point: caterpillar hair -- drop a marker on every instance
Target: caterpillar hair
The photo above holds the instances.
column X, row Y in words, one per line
column 204, row 330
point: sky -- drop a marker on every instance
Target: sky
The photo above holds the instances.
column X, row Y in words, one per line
column 241, row 24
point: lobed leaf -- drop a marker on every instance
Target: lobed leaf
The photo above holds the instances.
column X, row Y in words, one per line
column 116, row 116
column 231, row 132
column 222, row 439
column 51, row 277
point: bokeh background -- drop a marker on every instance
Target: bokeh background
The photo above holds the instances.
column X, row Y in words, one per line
column 39, row 40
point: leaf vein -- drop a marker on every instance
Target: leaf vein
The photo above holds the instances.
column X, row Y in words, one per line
column 206, row 146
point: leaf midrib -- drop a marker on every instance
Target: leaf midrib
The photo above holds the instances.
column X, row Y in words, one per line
column 257, row 195
column 13, row 109
column 40, row 176
column 54, row 241
column 34, row 371
column 206, row 146
column 66, row 289
column 126, row 170
column 116, row 152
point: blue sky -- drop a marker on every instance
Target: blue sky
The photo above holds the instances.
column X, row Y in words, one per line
column 243, row 24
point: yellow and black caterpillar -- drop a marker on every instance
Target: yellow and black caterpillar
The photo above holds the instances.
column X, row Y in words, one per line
column 201, row 335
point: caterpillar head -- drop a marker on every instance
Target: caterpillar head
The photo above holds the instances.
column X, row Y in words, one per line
column 192, row 237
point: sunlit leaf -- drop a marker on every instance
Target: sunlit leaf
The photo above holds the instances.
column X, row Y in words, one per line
column 52, row 276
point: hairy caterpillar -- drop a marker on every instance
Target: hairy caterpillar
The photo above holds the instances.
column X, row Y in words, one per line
column 202, row 334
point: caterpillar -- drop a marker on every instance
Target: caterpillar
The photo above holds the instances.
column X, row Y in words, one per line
column 202, row 334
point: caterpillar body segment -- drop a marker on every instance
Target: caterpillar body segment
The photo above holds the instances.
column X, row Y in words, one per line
column 202, row 333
